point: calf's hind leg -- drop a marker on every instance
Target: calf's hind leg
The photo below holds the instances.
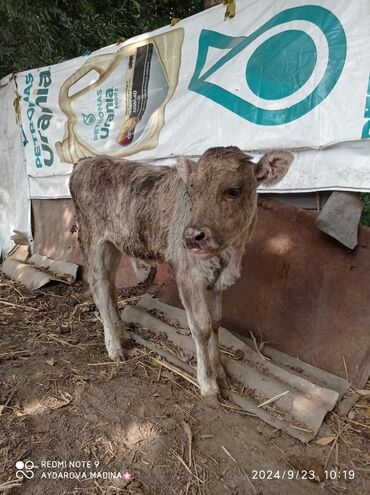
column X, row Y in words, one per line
column 103, row 260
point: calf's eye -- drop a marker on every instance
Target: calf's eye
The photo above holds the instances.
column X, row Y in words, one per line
column 233, row 192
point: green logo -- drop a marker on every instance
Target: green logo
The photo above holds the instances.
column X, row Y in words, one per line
column 278, row 67
column 88, row 119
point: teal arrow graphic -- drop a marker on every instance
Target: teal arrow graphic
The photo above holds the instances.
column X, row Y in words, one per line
column 277, row 68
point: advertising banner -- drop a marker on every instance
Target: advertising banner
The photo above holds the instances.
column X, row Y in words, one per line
column 278, row 75
column 15, row 206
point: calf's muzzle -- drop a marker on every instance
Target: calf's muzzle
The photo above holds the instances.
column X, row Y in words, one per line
column 197, row 240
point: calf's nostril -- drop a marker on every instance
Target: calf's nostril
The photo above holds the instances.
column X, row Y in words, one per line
column 200, row 236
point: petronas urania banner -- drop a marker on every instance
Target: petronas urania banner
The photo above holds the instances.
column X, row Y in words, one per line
column 288, row 74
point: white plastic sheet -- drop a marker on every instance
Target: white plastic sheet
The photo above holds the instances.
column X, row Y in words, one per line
column 14, row 202
column 290, row 74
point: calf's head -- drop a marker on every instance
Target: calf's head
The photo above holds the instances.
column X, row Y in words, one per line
column 222, row 187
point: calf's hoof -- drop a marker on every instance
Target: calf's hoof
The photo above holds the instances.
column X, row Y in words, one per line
column 209, row 392
column 212, row 401
column 115, row 352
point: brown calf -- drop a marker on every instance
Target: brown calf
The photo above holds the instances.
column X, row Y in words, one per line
column 196, row 216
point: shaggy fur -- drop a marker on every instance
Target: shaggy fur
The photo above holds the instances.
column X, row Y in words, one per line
column 150, row 213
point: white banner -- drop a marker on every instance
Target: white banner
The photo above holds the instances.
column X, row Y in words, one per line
column 15, row 207
column 279, row 75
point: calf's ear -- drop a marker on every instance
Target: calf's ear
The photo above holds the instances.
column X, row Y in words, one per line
column 272, row 167
column 184, row 167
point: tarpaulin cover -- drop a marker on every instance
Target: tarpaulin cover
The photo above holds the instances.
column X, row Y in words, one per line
column 14, row 196
column 289, row 74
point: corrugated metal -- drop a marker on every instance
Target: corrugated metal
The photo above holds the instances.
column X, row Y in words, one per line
column 306, row 396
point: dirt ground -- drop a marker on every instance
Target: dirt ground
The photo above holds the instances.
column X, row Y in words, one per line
column 136, row 427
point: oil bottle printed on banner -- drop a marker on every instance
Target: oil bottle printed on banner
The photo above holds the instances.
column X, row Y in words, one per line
column 115, row 103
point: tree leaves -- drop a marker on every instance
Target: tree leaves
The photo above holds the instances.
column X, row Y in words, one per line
column 365, row 217
column 36, row 33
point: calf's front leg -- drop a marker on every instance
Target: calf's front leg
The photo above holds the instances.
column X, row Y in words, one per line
column 195, row 303
column 215, row 308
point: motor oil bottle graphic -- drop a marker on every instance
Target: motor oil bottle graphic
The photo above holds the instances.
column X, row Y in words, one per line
column 115, row 103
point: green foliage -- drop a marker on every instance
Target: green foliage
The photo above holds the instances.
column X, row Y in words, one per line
column 35, row 33
column 365, row 217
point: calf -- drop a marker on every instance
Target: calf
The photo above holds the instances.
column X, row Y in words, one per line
column 196, row 216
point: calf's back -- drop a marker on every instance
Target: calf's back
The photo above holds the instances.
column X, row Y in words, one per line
column 133, row 205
